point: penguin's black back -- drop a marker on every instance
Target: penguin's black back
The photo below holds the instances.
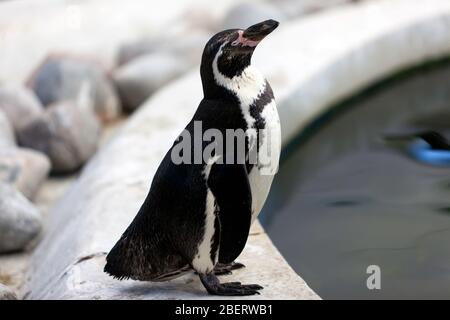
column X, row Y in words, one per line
column 164, row 236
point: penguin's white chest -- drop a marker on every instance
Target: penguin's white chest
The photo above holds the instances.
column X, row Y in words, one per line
column 248, row 87
column 262, row 174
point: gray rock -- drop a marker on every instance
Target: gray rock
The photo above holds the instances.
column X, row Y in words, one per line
column 67, row 133
column 7, row 293
column 20, row 105
column 188, row 47
column 137, row 80
column 25, row 169
column 7, row 138
column 137, row 48
column 20, row 220
column 244, row 15
column 61, row 78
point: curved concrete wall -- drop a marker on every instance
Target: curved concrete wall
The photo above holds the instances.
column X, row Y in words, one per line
column 318, row 61
column 311, row 64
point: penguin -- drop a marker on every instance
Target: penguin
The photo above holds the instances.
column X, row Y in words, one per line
column 428, row 147
column 197, row 216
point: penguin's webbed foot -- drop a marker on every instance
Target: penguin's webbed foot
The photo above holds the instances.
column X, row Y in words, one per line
column 222, row 269
column 213, row 286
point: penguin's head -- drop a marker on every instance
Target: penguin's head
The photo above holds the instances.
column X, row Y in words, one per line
column 229, row 52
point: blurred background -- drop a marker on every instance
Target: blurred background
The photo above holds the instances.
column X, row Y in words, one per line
column 365, row 108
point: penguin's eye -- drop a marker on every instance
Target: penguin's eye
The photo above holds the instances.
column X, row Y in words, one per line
column 234, row 36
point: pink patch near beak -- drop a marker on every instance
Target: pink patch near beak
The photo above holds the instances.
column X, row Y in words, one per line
column 244, row 41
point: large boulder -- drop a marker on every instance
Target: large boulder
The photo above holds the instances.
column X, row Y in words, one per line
column 20, row 220
column 25, row 169
column 137, row 80
column 20, row 105
column 67, row 133
column 62, row 78
column 7, row 138
column 134, row 49
column 6, row 293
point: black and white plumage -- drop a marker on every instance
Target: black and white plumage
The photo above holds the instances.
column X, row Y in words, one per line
column 198, row 216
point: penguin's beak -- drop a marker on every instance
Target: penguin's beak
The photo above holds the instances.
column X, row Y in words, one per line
column 249, row 38
column 259, row 31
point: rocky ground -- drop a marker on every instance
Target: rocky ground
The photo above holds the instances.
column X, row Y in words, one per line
column 56, row 120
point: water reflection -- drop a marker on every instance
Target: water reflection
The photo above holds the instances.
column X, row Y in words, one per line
column 344, row 199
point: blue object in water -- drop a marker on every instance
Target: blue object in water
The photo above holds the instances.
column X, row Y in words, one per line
column 422, row 151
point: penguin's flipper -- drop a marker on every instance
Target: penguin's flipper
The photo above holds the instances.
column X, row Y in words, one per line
column 231, row 189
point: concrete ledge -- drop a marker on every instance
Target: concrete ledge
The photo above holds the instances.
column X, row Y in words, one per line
column 84, row 279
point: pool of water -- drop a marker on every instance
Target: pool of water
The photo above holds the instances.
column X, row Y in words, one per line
column 344, row 200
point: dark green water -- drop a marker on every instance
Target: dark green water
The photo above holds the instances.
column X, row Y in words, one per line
column 344, row 200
